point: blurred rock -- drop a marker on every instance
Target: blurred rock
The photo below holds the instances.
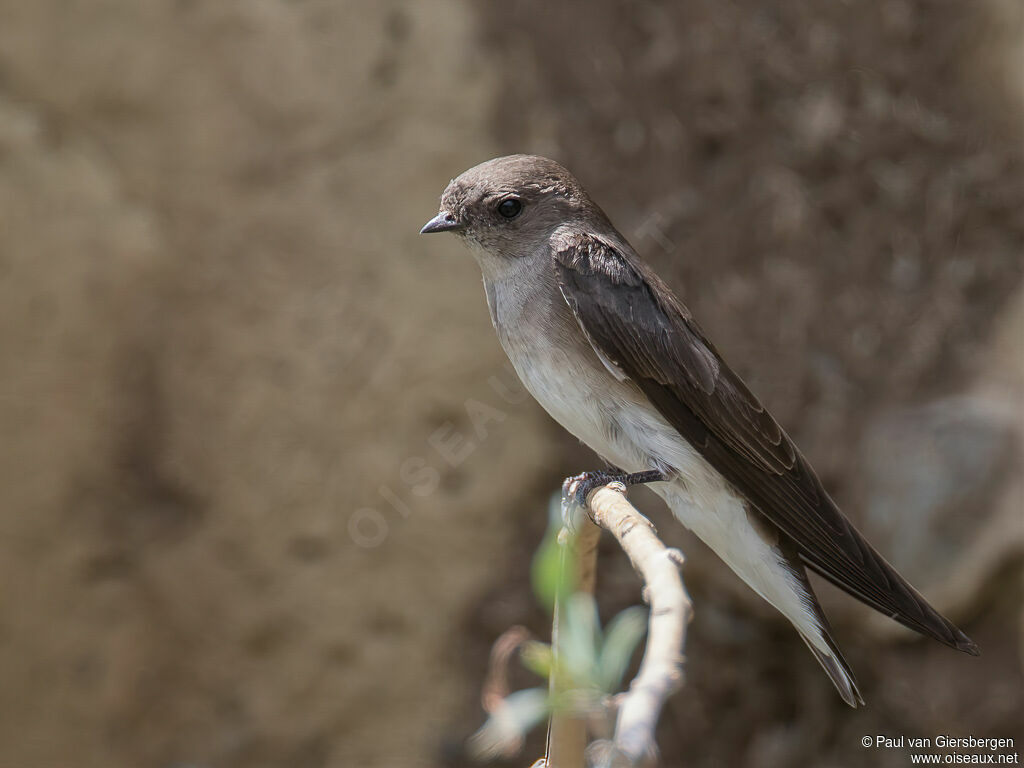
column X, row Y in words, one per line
column 264, row 502
column 944, row 480
column 933, row 476
column 229, row 537
column 837, row 192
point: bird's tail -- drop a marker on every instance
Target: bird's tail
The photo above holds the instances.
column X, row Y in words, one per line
column 835, row 666
column 900, row 601
column 830, row 657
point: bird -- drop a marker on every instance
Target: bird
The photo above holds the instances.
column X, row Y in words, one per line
column 609, row 351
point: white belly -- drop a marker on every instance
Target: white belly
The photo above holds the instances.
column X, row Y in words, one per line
column 612, row 417
column 617, row 421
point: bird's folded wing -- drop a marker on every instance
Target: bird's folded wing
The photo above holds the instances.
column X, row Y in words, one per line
column 632, row 320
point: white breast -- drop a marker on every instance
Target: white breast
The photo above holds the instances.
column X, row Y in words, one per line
column 566, row 376
column 614, row 418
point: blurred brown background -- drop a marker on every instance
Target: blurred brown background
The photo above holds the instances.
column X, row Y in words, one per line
column 227, row 537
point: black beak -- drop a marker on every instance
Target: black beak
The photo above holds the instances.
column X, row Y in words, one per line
column 443, row 222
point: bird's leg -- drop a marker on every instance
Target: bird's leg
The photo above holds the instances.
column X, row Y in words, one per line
column 578, row 487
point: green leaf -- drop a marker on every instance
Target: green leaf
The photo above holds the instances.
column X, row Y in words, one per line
column 580, row 637
column 620, row 641
column 552, row 571
column 502, row 734
column 538, row 658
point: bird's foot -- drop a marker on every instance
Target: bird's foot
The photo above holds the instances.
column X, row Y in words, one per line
column 578, row 487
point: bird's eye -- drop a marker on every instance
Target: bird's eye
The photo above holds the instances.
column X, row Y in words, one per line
column 510, row 207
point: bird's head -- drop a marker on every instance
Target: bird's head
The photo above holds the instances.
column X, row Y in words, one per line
column 508, row 208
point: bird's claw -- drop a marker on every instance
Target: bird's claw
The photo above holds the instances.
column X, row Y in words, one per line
column 578, row 487
column 575, row 490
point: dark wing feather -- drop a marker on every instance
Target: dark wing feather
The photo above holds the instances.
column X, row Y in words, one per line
column 632, row 318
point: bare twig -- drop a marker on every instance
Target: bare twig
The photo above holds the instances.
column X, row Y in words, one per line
column 671, row 610
column 502, row 734
column 496, row 685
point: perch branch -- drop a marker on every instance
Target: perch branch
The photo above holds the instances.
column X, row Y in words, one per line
column 671, row 611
